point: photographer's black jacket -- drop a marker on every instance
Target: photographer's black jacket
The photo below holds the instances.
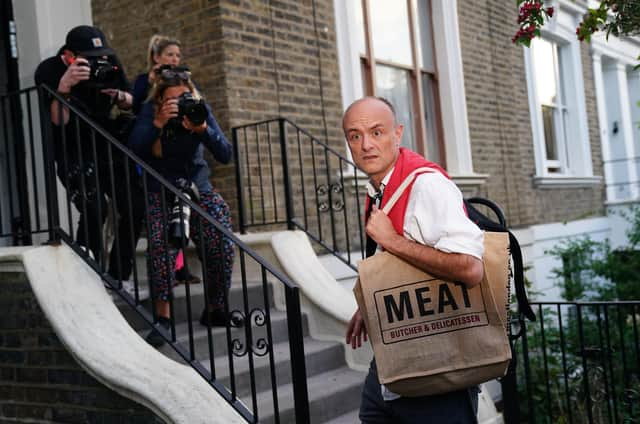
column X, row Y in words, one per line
column 88, row 99
column 182, row 151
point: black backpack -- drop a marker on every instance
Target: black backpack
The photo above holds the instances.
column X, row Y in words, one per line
column 486, row 224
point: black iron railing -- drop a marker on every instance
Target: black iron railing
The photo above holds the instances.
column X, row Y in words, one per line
column 580, row 363
column 286, row 178
column 243, row 347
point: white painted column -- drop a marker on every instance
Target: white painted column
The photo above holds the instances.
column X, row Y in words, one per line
column 633, row 79
column 626, row 127
column 596, row 58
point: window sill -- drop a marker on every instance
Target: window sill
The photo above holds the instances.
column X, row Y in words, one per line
column 566, row 182
column 623, row 202
column 469, row 180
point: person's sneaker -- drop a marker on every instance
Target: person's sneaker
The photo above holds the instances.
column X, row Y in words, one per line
column 183, row 276
column 129, row 287
column 154, row 338
column 218, row 318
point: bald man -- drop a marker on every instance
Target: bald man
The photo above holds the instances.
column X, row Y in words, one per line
column 427, row 227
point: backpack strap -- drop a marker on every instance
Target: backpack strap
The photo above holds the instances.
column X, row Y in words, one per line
column 487, row 224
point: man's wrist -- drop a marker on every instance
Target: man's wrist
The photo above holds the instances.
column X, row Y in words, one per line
column 64, row 89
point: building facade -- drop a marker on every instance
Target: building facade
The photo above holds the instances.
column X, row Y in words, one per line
column 549, row 133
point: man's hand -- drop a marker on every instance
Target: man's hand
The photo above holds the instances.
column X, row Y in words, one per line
column 168, row 110
column 119, row 97
column 380, row 228
column 189, row 126
column 78, row 71
column 356, row 331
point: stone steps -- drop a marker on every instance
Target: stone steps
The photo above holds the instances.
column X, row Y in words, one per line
column 334, row 389
column 181, row 305
column 331, row 394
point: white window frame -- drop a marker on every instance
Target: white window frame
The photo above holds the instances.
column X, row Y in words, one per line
column 559, row 109
column 575, row 152
column 452, row 98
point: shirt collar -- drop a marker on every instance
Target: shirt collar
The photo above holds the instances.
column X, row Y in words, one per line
column 371, row 190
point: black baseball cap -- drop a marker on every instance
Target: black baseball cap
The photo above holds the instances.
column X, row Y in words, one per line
column 85, row 40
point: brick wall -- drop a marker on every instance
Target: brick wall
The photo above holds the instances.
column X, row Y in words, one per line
column 500, row 125
column 253, row 60
column 39, row 380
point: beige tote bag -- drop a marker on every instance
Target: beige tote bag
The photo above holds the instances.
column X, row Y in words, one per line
column 432, row 336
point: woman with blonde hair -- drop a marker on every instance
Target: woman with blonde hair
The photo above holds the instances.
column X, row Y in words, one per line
column 163, row 50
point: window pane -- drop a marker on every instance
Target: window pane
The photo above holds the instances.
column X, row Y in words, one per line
column 393, row 84
column 390, row 31
column 428, row 93
column 359, row 29
column 425, row 31
column 548, row 121
column 544, row 68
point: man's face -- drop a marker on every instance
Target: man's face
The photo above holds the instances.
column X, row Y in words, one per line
column 373, row 137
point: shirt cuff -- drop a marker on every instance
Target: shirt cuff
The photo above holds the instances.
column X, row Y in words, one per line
column 466, row 248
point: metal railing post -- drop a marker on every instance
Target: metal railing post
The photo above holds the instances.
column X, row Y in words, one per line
column 296, row 348
column 286, row 178
column 242, row 226
column 50, row 179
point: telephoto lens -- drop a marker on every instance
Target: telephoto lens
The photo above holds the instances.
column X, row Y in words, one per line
column 179, row 222
column 180, row 214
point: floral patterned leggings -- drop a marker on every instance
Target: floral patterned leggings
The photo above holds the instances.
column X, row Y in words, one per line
column 218, row 250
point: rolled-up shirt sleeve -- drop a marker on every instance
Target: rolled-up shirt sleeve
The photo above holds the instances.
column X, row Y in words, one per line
column 436, row 217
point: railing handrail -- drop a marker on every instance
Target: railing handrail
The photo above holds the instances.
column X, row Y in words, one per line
column 320, row 142
column 168, row 186
column 302, row 130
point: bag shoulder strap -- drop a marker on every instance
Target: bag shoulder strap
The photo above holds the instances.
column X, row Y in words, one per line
column 403, row 186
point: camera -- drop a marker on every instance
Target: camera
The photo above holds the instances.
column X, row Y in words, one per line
column 181, row 212
column 192, row 108
column 102, row 73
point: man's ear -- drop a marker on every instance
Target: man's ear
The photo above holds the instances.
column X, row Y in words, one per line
column 399, row 130
column 69, row 56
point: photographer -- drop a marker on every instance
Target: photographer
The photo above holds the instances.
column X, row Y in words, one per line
column 169, row 130
column 88, row 75
column 165, row 51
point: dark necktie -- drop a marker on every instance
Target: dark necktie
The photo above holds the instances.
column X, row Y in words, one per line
column 371, row 243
